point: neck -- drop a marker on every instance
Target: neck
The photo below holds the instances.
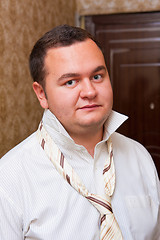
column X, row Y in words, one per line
column 88, row 140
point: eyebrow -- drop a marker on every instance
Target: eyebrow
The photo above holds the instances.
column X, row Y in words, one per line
column 68, row 75
column 72, row 75
column 99, row 68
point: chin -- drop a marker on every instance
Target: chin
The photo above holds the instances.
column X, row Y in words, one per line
column 92, row 123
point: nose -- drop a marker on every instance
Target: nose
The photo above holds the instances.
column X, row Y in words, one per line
column 88, row 90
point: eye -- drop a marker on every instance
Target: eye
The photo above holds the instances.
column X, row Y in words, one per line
column 97, row 77
column 70, row 83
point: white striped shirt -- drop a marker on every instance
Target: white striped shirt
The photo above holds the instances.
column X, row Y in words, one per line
column 37, row 203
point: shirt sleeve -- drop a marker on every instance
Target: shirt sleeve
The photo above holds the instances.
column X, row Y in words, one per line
column 157, row 230
column 10, row 219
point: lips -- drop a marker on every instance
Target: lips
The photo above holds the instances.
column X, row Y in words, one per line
column 90, row 106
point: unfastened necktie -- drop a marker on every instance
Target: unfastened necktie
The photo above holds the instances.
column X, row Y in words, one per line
column 109, row 226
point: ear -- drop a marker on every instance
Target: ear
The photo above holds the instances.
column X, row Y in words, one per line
column 38, row 89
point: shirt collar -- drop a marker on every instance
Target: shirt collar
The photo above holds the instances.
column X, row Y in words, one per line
column 113, row 122
column 53, row 124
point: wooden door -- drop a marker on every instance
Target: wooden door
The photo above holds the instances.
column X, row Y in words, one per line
column 131, row 46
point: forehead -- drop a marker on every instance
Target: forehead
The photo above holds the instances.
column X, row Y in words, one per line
column 76, row 57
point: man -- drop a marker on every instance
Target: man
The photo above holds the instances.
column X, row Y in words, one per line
column 76, row 178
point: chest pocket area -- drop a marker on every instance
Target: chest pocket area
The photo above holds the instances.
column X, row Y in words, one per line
column 143, row 214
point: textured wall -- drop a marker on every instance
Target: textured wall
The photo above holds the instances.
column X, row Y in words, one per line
column 86, row 7
column 22, row 22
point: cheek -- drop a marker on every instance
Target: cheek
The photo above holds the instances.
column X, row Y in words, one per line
column 61, row 105
column 106, row 93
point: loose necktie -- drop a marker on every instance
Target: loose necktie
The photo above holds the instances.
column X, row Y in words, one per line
column 109, row 228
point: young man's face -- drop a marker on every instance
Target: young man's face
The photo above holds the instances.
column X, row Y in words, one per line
column 78, row 87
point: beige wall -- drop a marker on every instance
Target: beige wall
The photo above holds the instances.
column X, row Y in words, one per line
column 22, row 22
column 87, row 7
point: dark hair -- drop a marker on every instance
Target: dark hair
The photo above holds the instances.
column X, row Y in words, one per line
column 60, row 36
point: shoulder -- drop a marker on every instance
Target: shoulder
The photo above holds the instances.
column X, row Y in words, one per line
column 134, row 164
column 18, row 161
column 13, row 167
column 128, row 145
column 17, row 154
column 18, row 167
column 133, row 154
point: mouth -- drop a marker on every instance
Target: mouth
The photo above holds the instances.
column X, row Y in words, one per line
column 90, row 107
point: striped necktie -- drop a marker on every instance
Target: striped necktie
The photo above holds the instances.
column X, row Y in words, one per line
column 109, row 228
